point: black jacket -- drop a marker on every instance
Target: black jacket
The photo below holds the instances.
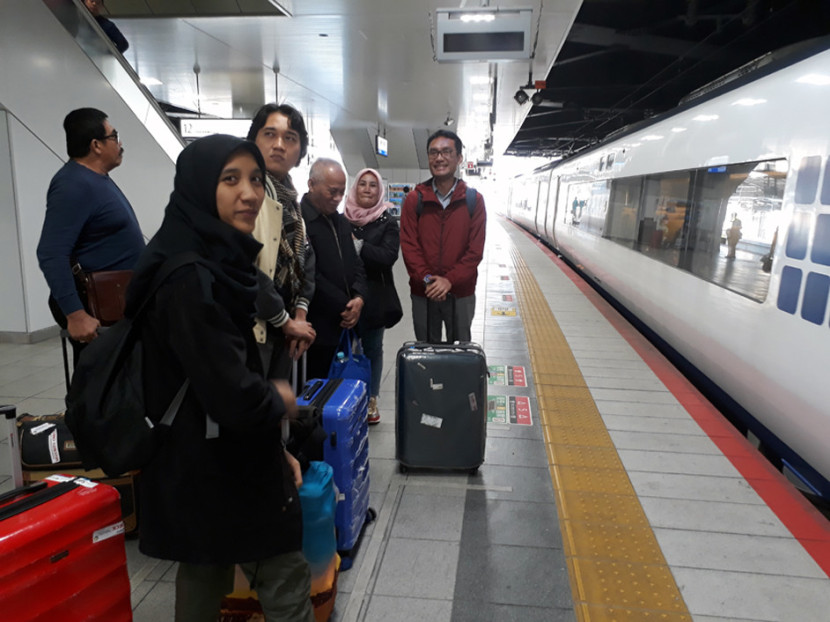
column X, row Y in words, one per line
column 380, row 250
column 222, row 500
column 339, row 272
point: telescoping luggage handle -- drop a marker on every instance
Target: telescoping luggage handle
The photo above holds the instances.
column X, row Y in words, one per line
column 451, row 332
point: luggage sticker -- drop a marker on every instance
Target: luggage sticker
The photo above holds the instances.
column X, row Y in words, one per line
column 43, row 427
column 473, row 402
column 435, row 386
column 433, row 422
column 108, row 532
column 52, row 443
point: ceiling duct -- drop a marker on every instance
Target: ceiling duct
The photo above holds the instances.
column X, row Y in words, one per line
column 483, row 34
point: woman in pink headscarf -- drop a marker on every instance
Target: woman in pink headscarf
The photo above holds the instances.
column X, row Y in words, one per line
column 377, row 240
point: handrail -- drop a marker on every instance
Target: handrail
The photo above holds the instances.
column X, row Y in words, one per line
column 95, row 43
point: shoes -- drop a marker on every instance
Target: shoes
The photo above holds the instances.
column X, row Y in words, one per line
column 374, row 415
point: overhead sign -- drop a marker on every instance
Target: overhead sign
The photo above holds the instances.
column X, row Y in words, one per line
column 197, row 128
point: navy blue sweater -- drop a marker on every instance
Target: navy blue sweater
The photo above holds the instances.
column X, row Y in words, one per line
column 88, row 221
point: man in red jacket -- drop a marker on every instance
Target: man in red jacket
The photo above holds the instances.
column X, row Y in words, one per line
column 442, row 241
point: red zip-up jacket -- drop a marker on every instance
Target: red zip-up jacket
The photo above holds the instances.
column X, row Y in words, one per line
column 442, row 242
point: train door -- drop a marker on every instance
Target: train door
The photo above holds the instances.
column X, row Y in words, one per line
column 542, row 203
column 553, row 201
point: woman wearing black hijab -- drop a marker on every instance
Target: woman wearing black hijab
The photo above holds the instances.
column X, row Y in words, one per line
column 210, row 501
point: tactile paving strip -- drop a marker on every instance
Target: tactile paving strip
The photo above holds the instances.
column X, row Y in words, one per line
column 617, row 569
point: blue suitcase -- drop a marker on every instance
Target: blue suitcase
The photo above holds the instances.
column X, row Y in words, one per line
column 343, row 404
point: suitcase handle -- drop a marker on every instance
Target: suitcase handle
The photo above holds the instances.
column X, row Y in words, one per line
column 39, row 497
column 22, row 490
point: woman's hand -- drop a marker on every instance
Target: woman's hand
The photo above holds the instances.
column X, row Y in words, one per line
column 287, row 395
column 295, row 469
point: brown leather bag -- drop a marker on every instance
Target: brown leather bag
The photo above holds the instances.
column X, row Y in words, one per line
column 104, row 293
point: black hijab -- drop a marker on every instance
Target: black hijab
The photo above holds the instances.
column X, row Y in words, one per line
column 191, row 223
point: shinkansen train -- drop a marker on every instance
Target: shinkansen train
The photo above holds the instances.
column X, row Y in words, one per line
column 711, row 226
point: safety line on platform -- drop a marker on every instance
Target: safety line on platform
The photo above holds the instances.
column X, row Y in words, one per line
column 617, row 569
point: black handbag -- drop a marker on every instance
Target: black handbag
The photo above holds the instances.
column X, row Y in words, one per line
column 383, row 307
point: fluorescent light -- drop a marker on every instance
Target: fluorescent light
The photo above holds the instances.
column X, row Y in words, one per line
column 749, row 101
column 652, row 137
column 481, row 97
column 480, row 80
column 151, row 82
column 706, row 117
column 816, row 79
column 477, row 17
column 677, row 130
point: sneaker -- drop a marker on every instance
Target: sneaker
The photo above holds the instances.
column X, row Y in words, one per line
column 374, row 415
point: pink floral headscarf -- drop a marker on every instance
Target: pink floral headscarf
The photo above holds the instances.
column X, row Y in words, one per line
column 362, row 216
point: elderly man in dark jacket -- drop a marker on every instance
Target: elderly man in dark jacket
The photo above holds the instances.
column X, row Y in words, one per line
column 339, row 274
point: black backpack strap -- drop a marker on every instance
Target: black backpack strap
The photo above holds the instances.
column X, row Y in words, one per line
column 170, row 265
column 472, row 195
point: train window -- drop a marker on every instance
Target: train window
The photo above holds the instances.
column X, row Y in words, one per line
column 789, row 288
column 825, row 189
column 586, row 206
column 798, row 235
column 661, row 229
column 821, row 241
column 814, row 303
column 806, row 183
column 733, row 225
column 622, row 212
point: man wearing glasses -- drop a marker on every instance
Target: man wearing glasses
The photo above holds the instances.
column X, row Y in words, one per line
column 89, row 225
column 442, row 241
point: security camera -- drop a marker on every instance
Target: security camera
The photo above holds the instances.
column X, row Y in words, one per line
column 537, row 98
column 521, row 97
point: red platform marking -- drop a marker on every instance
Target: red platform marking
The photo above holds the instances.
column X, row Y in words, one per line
column 804, row 522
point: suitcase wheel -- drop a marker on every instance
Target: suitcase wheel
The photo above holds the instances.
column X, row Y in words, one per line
column 371, row 515
column 402, row 468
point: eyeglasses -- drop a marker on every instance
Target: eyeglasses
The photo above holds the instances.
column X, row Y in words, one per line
column 114, row 136
column 434, row 153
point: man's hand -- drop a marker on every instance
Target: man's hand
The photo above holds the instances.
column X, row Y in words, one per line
column 438, row 288
column 299, row 329
column 287, row 395
column 82, row 326
column 298, row 347
column 295, row 469
column 352, row 313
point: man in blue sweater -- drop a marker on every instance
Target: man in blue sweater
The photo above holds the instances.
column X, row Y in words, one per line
column 108, row 27
column 89, row 222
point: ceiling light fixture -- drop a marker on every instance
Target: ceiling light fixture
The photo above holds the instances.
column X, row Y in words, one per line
column 521, row 97
column 449, row 121
column 537, row 98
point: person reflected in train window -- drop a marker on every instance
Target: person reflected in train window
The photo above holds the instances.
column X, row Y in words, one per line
column 377, row 240
column 111, row 30
column 287, row 258
column 733, row 236
column 220, row 489
column 442, row 242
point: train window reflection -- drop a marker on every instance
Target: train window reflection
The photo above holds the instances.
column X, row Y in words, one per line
column 825, row 189
column 622, row 216
column 586, row 206
column 821, row 241
column 720, row 223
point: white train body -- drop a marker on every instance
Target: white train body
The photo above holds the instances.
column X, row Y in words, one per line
column 763, row 338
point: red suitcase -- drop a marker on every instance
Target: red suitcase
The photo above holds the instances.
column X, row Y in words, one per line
column 62, row 555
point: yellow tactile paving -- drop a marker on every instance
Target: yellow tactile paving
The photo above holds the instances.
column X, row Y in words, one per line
column 616, row 567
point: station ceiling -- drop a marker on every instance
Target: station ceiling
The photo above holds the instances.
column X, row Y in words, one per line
column 357, row 68
column 627, row 60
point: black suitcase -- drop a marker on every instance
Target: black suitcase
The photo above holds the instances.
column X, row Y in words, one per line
column 440, row 406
